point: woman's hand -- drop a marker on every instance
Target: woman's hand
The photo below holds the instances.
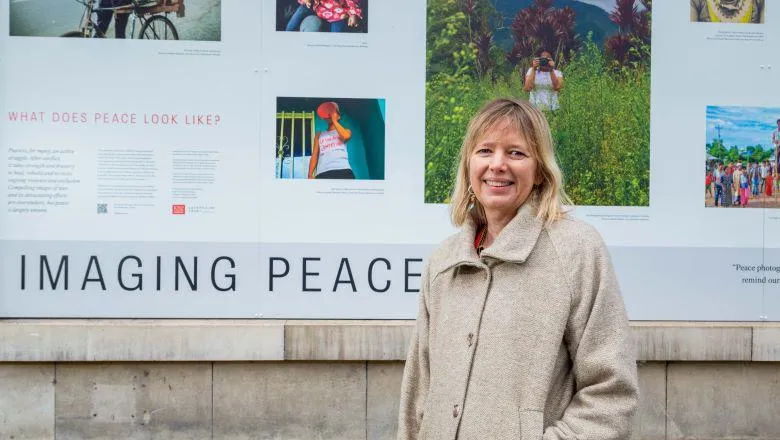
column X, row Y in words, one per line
column 551, row 63
column 353, row 21
column 308, row 3
column 335, row 117
column 535, row 63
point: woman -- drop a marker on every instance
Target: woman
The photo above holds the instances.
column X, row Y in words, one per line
column 521, row 331
column 339, row 14
column 769, row 181
column 727, row 181
column 736, row 178
column 543, row 82
column 718, row 180
column 744, row 189
column 329, row 157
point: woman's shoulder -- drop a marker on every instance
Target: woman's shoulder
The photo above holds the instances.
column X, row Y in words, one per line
column 447, row 247
column 579, row 249
column 570, row 233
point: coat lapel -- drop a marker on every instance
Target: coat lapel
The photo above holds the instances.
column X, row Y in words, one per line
column 514, row 244
column 518, row 238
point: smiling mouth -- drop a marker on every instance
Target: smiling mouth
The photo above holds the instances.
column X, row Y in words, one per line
column 497, row 183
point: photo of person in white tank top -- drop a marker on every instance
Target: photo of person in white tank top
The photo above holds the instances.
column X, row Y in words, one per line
column 329, row 157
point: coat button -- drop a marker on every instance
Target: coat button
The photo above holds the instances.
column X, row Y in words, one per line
column 455, row 411
column 471, row 339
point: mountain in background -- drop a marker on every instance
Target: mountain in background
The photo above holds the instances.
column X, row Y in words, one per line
column 588, row 18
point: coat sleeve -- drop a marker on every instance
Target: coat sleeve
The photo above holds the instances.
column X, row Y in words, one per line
column 416, row 380
column 603, row 356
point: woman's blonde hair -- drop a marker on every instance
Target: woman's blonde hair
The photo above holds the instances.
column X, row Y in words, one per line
column 533, row 127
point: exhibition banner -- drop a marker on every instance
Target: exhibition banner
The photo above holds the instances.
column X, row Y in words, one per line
column 295, row 158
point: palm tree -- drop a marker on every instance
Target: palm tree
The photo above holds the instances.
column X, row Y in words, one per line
column 540, row 26
column 483, row 40
column 479, row 34
column 631, row 43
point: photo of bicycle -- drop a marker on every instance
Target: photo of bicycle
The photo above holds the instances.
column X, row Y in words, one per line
column 119, row 19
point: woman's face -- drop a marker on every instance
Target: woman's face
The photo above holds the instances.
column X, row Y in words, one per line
column 502, row 171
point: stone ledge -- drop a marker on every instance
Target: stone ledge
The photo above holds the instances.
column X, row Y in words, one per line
column 140, row 340
column 145, row 340
column 693, row 343
column 766, row 344
column 347, row 340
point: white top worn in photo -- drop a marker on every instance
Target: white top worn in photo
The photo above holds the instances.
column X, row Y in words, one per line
column 543, row 96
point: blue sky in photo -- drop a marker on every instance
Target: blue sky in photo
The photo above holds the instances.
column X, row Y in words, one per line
column 607, row 5
column 742, row 126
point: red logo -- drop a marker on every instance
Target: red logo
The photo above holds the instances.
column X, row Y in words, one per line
column 178, row 209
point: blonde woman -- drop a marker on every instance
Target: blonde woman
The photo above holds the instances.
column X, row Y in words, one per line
column 522, row 332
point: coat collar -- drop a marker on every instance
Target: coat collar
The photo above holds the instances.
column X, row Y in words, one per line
column 513, row 244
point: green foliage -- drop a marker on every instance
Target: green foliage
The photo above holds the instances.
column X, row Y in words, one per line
column 751, row 153
column 717, row 149
column 449, row 49
column 601, row 131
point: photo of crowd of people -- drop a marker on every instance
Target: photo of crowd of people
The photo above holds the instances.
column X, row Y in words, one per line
column 193, row 20
column 330, row 138
column 322, row 15
column 727, row 11
column 743, row 149
column 586, row 64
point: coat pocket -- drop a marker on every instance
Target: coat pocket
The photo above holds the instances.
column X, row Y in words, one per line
column 531, row 424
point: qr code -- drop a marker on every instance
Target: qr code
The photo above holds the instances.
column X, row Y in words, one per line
column 102, row 208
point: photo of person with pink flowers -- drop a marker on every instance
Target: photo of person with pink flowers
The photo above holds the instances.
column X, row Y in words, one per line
column 321, row 15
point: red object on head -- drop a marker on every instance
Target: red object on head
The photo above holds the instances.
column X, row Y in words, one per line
column 325, row 109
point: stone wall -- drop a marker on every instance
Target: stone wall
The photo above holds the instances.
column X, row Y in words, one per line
column 223, row 379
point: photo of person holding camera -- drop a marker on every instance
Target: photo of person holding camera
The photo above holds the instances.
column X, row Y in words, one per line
column 543, row 81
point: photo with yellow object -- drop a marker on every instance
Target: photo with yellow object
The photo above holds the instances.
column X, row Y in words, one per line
column 728, row 11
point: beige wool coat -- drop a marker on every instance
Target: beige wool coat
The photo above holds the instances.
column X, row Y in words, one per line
column 529, row 341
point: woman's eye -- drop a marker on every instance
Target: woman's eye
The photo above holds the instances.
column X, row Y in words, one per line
column 483, row 151
column 516, row 153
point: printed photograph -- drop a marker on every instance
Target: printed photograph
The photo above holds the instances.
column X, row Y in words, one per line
column 743, row 152
column 727, row 11
column 330, row 138
column 585, row 64
column 322, row 15
column 192, row 20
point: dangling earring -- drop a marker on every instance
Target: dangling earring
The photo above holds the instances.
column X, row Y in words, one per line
column 472, row 196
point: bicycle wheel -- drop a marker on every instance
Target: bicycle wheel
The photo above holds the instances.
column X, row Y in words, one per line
column 73, row 34
column 158, row 27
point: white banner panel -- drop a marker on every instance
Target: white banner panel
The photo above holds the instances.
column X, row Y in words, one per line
column 195, row 168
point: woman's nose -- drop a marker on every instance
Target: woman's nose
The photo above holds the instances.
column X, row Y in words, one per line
column 498, row 162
